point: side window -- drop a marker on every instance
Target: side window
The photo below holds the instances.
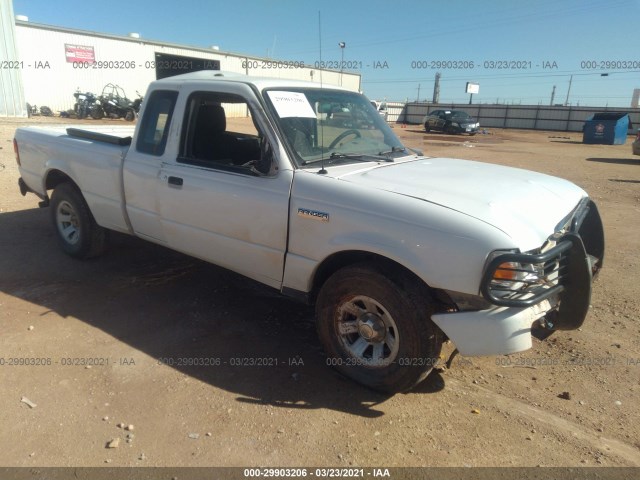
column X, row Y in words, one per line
column 220, row 132
column 154, row 129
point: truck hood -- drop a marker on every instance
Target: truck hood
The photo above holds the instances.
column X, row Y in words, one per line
column 525, row 205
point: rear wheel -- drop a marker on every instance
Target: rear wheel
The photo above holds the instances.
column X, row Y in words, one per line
column 79, row 234
column 376, row 328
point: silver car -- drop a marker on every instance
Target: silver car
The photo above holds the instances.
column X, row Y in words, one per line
column 635, row 146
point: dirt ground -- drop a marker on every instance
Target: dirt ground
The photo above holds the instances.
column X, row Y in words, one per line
column 139, row 310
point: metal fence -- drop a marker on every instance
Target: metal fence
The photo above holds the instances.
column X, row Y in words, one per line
column 533, row 117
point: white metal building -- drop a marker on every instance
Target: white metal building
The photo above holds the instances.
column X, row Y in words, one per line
column 56, row 61
column 11, row 93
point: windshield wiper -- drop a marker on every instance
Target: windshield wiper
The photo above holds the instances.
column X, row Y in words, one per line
column 361, row 157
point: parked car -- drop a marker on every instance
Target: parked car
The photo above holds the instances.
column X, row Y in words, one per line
column 635, row 146
column 450, row 121
column 397, row 251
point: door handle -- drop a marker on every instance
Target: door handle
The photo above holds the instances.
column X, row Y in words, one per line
column 177, row 181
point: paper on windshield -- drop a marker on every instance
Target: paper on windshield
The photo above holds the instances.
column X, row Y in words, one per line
column 291, row 104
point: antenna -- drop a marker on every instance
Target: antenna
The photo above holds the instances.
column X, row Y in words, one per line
column 322, row 169
column 320, row 43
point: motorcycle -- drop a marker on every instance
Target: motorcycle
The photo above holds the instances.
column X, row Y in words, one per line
column 85, row 105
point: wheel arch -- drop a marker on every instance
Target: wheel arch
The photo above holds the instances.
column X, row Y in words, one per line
column 55, row 177
column 397, row 271
column 386, row 300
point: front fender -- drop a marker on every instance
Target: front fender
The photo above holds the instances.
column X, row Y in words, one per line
column 443, row 247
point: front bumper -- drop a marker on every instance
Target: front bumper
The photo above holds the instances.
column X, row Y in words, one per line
column 465, row 129
column 496, row 331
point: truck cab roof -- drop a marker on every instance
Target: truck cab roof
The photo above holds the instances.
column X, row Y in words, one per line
column 259, row 82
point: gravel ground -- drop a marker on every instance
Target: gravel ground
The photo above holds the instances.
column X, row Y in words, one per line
column 141, row 304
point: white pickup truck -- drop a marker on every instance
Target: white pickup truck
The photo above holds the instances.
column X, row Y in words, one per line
column 306, row 189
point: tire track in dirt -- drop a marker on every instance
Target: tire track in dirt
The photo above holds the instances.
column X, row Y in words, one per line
column 554, row 422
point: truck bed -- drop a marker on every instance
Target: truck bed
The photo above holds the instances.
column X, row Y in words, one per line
column 92, row 156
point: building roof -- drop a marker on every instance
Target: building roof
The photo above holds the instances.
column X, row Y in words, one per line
column 141, row 40
column 124, row 38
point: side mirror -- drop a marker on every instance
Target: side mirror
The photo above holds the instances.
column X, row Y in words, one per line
column 324, row 108
column 263, row 165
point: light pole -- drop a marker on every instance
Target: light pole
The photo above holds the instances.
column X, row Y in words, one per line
column 341, row 45
column 566, row 102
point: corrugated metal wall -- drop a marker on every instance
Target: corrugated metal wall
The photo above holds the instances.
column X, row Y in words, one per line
column 51, row 80
column 12, row 102
column 535, row 117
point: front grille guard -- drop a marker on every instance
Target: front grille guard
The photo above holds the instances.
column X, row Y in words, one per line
column 562, row 274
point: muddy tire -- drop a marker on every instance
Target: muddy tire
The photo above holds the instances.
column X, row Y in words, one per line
column 376, row 327
column 77, row 231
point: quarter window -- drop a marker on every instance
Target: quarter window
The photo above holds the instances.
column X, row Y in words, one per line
column 154, row 130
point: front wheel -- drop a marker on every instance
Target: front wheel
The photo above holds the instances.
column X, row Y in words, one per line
column 376, row 328
column 79, row 234
column 96, row 112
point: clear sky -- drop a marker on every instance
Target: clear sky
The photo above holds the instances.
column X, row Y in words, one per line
column 519, row 49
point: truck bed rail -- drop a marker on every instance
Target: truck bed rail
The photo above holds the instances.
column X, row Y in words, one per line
column 100, row 137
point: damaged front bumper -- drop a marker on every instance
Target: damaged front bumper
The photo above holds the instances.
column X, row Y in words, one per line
column 547, row 290
column 496, row 331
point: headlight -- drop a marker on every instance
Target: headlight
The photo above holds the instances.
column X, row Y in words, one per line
column 508, row 276
column 508, row 271
column 512, row 277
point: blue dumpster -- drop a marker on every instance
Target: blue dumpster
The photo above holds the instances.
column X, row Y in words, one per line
column 606, row 128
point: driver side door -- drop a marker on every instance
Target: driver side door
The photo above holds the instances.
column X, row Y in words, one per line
column 212, row 203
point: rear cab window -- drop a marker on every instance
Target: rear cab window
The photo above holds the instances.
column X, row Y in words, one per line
column 156, row 121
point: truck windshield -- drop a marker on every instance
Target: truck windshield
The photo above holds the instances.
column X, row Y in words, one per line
column 332, row 125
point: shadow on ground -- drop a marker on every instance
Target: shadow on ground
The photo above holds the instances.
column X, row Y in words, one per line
column 171, row 306
column 620, row 161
